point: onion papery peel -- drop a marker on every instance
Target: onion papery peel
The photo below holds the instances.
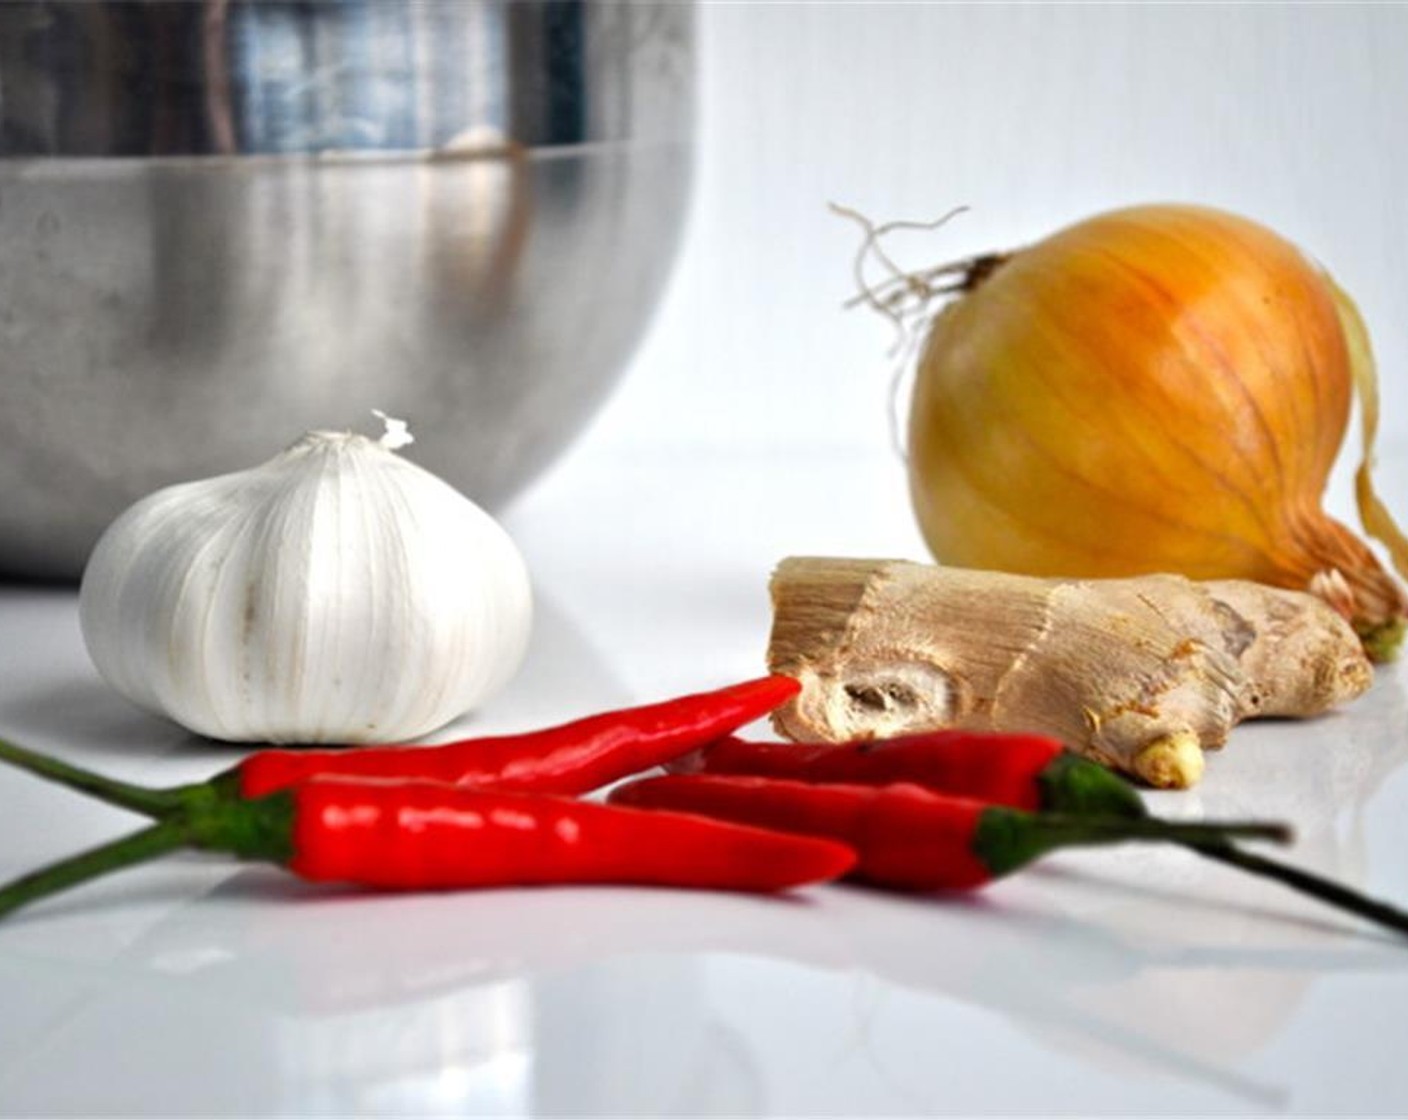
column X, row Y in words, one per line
column 1382, row 642
column 1157, row 389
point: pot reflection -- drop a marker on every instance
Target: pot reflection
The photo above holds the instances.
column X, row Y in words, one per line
column 469, row 1055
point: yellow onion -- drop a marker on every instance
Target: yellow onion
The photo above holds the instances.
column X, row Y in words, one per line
column 1158, row 389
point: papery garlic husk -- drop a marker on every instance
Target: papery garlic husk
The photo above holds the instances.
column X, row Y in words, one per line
column 338, row 593
column 1157, row 389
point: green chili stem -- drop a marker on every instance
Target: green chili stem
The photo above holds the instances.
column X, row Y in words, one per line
column 1006, row 839
column 138, row 847
column 1325, row 890
column 1065, row 828
column 156, row 803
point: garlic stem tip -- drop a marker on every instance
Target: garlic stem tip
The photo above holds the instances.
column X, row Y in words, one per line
column 397, row 434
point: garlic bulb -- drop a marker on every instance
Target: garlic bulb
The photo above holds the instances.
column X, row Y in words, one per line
column 336, row 593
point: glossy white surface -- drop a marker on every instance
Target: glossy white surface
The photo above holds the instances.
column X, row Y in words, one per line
column 1138, row 981
column 1128, row 981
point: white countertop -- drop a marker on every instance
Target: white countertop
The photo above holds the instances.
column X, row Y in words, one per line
column 1138, row 980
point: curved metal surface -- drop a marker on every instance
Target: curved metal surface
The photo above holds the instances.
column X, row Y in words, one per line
column 170, row 318
column 202, row 77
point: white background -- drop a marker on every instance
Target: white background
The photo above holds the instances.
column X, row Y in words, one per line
column 1034, row 116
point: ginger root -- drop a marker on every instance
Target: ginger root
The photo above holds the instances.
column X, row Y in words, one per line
column 1141, row 674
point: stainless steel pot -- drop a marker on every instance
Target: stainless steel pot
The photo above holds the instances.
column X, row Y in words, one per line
column 222, row 223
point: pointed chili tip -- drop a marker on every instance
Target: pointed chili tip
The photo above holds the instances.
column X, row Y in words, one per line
column 781, row 684
column 771, row 856
column 792, row 860
column 766, row 694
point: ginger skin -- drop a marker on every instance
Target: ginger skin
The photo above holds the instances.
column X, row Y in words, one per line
column 1142, row 674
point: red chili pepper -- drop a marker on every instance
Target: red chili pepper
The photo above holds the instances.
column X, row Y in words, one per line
column 1067, row 785
column 1022, row 771
column 575, row 757
column 572, row 758
column 908, row 837
column 386, row 842
column 413, row 835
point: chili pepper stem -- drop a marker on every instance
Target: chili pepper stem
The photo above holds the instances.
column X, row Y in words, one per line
column 1072, row 784
column 1307, row 883
column 1099, row 830
column 255, row 830
column 1007, row 839
column 148, row 801
column 138, row 847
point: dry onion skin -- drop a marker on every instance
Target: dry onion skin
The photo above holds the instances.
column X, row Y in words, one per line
column 1157, row 389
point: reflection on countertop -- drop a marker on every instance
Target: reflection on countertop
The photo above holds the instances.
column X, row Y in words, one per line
column 532, row 1002
column 1147, row 977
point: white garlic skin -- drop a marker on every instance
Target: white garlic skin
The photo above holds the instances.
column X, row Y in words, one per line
column 336, row 594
